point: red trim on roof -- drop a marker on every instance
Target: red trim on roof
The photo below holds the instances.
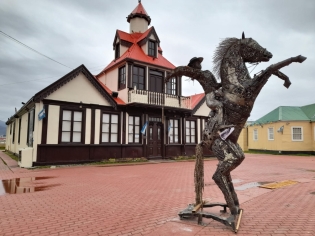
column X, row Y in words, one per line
column 117, row 100
column 195, row 99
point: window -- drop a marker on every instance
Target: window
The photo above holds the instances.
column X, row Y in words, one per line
column 255, row 134
column 190, row 131
column 173, row 131
column 171, row 86
column 71, row 129
column 297, row 134
column 152, row 48
column 151, row 133
column 19, row 137
column 138, row 77
column 13, row 137
column 122, row 78
column 109, row 128
column 117, row 51
column 30, row 127
column 134, row 129
column 270, row 134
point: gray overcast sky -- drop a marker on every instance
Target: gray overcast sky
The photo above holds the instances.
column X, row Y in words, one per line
column 76, row 32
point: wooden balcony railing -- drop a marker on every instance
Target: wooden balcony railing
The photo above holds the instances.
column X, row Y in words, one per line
column 159, row 99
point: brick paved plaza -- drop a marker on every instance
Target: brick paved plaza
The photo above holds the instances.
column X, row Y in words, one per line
column 145, row 199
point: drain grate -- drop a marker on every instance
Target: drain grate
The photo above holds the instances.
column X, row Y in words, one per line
column 279, row 184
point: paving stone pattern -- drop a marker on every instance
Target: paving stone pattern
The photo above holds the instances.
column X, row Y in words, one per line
column 145, row 199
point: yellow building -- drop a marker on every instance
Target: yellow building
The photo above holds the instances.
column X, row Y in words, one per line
column 286, row 129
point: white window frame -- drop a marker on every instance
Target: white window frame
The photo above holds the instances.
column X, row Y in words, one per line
column 191, row 132
column 174, row 131
column 134, row 128
column 255, row 136
column 107, row 128
column 297, row 140
column 269, row 133
column 71, row 125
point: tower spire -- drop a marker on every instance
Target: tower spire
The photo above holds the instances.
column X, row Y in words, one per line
column 139, row 19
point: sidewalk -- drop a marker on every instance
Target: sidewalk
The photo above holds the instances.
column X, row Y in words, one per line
column 145, row 199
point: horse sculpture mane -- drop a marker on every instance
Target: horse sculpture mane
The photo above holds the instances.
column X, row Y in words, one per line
column 219, row 54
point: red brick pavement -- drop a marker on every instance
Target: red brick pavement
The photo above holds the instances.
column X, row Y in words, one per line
column 145, row 199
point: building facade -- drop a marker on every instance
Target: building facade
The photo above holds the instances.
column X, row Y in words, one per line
column 83, row 117
column 286, row 129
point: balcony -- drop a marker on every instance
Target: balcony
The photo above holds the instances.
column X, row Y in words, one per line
column 158, row 99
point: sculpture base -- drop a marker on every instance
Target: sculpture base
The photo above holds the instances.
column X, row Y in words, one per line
column 230, row 221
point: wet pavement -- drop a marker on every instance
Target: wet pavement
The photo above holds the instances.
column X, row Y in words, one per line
column 145, row 199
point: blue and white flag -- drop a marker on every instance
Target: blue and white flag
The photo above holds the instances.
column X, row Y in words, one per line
column 144, row 127
column 41, row 114
column 169, row 129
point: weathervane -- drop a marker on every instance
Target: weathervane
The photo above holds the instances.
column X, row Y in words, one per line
column 231, row 102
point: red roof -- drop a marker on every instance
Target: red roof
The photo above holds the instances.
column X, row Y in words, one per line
column 117, row 100
column 139, row 9
column 195, row 99
column 145, row 34
column 135, row 52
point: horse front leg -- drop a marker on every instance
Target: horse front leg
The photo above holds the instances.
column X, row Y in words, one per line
column 282, row 76
column 261, row 78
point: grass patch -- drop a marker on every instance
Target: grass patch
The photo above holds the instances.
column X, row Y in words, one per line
column 10, row 154
column 184, row 158
column 103, row 162
column 278, row 153
column 119, row 161
column 2, row 147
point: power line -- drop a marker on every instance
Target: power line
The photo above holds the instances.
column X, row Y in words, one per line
column 20, row 82
column 17, row 41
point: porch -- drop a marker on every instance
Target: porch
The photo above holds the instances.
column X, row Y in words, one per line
column 159, row 99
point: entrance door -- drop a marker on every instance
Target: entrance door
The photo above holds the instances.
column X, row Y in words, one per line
column 155, row 139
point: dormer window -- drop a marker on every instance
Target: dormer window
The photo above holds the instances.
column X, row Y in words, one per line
column 117, row 51
column 152, row 48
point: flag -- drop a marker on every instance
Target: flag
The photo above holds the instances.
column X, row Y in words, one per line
column 144, row 127
column 41, row 114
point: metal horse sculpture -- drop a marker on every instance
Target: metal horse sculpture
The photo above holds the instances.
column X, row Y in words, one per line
column 231, row 102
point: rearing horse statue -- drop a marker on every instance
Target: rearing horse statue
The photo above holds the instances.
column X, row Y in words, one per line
column 231, row 102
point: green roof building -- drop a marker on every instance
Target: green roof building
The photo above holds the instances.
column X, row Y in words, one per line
column 288, row 129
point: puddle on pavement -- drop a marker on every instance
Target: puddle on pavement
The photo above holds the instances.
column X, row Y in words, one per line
column 23, row 185
column 251, row 185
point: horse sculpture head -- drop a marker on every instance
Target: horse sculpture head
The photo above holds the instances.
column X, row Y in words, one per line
column 252, row 52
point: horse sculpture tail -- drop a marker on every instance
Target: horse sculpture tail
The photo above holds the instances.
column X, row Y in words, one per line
column 199, row 173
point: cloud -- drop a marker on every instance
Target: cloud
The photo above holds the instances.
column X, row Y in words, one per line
column 76, row 32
